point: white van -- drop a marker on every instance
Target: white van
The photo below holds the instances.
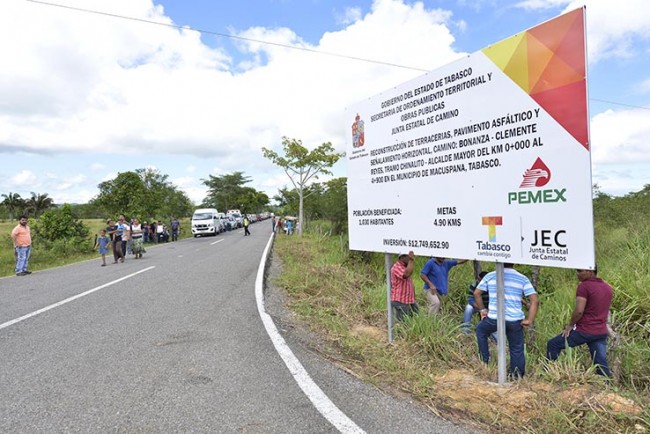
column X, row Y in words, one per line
column 206, row 221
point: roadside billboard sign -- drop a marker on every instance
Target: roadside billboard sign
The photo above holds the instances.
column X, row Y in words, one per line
column 486, row 158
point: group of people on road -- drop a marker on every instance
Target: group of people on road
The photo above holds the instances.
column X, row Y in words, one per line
column 588, row 323
column 122, row 237
column 285, row 225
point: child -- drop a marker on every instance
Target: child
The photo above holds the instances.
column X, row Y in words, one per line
column 102, row 242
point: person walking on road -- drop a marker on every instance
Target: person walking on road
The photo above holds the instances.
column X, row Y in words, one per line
column 102, row 243
column 246, row 224
column 22, row 239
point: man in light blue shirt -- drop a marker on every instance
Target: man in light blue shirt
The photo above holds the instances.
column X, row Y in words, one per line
column 516, row 286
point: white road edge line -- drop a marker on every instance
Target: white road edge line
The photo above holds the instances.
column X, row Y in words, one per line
column 68, row 300
column 218, row 241
column 322, row 403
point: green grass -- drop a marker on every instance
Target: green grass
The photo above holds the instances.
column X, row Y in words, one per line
column 337, row 292
column 42, row 258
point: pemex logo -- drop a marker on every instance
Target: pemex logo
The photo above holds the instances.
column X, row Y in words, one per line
column 530, row 193
column 537, row 176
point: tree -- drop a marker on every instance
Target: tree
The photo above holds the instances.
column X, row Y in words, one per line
column 335, row 204
column 126, row 194
column 228, row 192
column 252, row 201
column 303, row 166
column 60, row 224
column 39, row 203
column 14, row 204
column 145, row 193
column 224, row 190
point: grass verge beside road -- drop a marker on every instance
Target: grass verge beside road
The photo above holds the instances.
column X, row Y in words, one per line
column 342, row 296
column 42, row 258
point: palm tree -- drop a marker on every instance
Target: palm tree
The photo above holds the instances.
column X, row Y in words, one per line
column 39, row 203
column 13, row 202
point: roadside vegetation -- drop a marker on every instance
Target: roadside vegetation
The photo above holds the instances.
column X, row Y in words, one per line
column 52, row 246
column 341, row 294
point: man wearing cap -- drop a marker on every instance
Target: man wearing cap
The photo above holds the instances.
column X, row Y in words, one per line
column 588, row 323
column 402, row 290
column 22, row 238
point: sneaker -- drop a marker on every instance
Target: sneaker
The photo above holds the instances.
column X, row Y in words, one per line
column 22, row 273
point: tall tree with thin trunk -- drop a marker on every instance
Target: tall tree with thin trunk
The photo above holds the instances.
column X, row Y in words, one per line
column 39, row 203
column 303, row 166
column 14, row 204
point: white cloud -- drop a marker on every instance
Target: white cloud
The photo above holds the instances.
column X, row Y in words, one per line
column 70, row 182
column 612, row 26
column 109, row 176
column 169, row 93
column 644, row 87
column 132, row 91
column 194, row 189
column 620, row 136
column 25, row 179
column 350, row 15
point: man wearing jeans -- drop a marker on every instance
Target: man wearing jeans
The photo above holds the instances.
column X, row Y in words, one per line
column 22, row 239
column 516, row 286
column 588, row 323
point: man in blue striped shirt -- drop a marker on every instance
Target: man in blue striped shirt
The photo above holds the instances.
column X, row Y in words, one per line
column 516, row 286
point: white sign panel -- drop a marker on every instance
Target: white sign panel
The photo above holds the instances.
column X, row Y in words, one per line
column 486, row 158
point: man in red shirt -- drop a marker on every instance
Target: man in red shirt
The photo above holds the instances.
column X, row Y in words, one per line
column 402, row 290
column 588, row 323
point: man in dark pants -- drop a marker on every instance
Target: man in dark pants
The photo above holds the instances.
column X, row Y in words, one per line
column 246, row 224
column 516, row 286
column 176, row 227
column 588, row 323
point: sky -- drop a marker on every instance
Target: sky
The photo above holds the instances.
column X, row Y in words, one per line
column 85, row 96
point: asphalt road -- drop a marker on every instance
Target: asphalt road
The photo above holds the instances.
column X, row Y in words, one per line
column 177, row 345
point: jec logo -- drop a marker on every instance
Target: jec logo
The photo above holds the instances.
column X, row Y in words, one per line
column 537, row 176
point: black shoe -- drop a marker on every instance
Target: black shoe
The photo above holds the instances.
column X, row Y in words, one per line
column 22, row 273
column 27, row 272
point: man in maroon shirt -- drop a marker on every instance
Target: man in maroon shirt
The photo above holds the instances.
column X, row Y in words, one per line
column 588, row 323
column 402, row 290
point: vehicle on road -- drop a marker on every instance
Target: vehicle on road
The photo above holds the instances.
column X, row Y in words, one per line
column 206, row 221
column 237, row 216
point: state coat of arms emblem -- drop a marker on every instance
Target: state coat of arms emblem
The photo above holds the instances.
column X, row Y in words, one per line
column 358, row 138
